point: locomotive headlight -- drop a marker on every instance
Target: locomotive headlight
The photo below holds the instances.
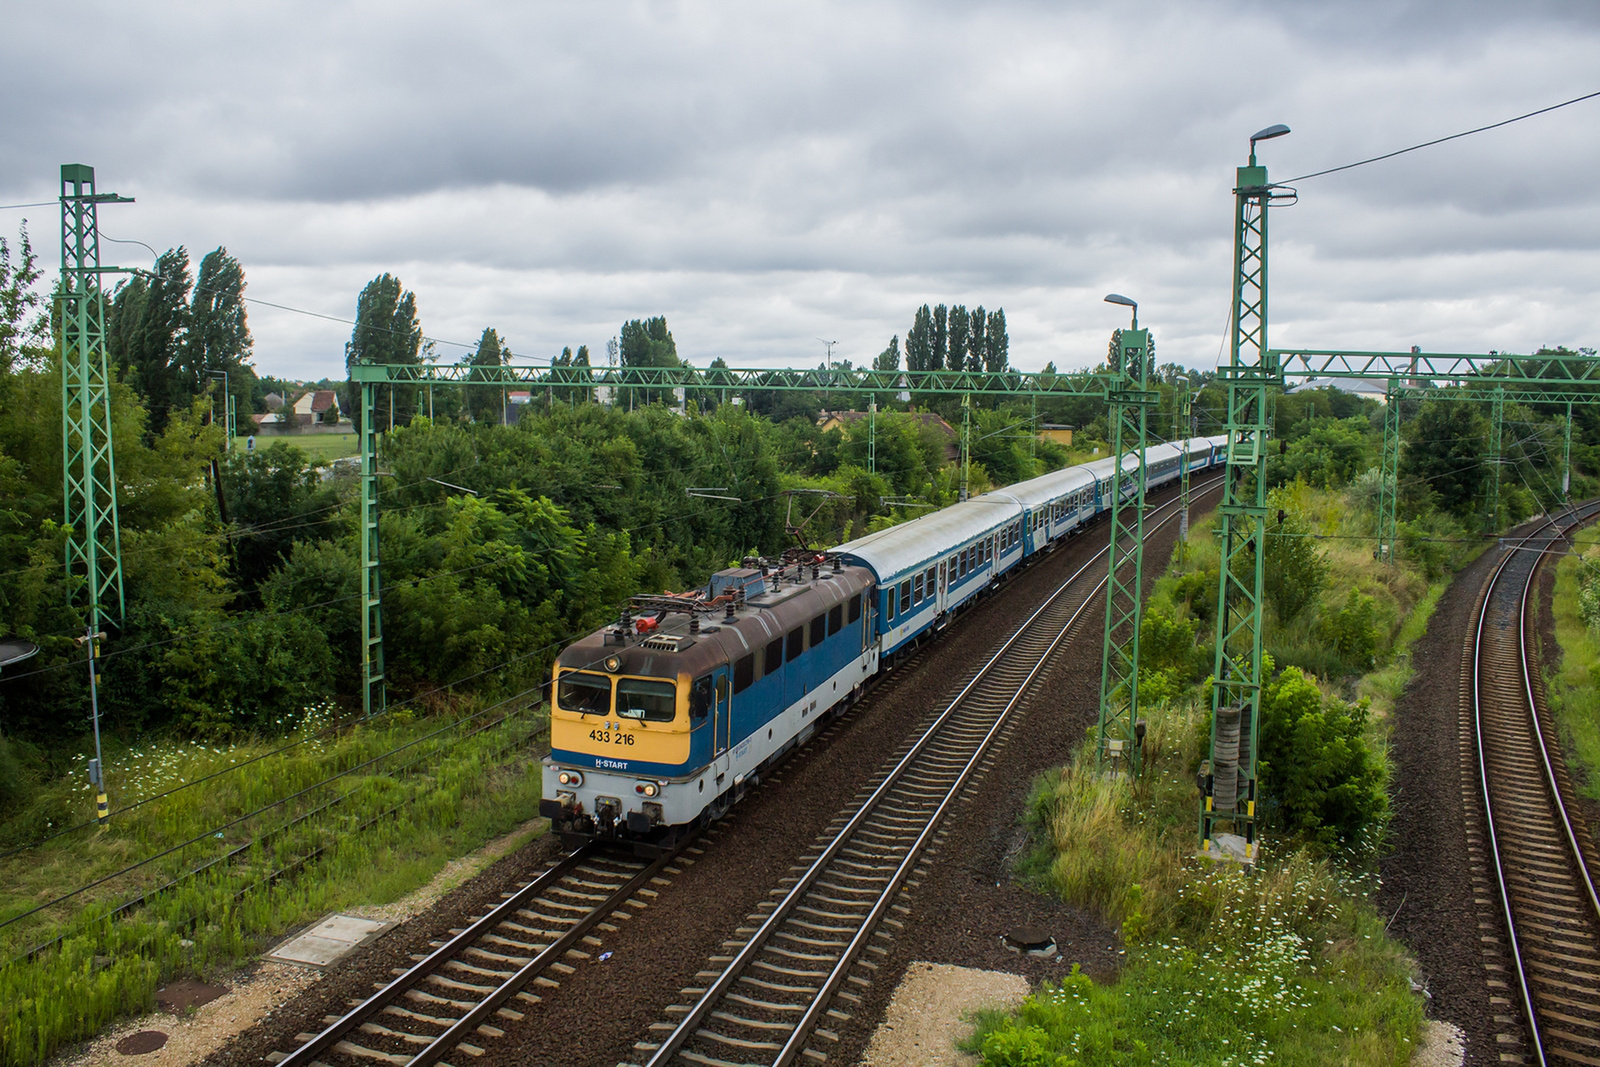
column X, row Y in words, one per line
column 613, row 664
column 569, row 778
column 646, row 789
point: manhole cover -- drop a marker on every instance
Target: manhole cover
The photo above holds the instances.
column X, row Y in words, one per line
column 145, row 1041
column 1032, row 940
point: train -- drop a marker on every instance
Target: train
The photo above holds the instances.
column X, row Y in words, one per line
column 664, row 719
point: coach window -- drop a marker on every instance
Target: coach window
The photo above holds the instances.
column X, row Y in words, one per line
column 774, row 657
column 819, row 630
column 916, row 588
column 797, row 643
column 587, row 694
column 855, row 608
column 638, row 698
column 835, row 619
column 700, row 696
column 905, row 597
column 744, row 672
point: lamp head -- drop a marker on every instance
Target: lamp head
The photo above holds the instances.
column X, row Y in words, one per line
column 1276, row 130
column 1125, row 301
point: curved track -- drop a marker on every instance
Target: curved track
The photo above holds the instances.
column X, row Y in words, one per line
column 1547, row 889
column 773, row 1002
column 450, row 997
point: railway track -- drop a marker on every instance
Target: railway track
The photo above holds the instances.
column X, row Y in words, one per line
column 1537, row 844
column 451, row 998
column 774, row 1000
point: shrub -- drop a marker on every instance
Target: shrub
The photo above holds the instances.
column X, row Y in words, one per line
column 1314, row 761
column 1295, row 570
column 1352, row 631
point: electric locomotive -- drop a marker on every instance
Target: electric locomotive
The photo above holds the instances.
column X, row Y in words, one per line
column 661, row 721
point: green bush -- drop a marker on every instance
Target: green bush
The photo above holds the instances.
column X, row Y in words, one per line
column 1295, row 570
column 1326, row 784
column 1352, row 631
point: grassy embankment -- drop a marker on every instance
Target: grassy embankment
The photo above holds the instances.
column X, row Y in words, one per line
column 321, row 447
column 1573, row 687
column 411, row 793
column 1286, row 962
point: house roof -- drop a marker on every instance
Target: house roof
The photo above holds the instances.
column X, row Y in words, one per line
column 323, row 399
column 1369, row 387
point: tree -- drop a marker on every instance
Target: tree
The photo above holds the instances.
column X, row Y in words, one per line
column 919, row 341
column 21, row 326
column 889, row 358
column 941, row 339
column 978, row 340
column 146, row 334
column 386, row 331
column 960, row 337
column 218, row 337
column 486, row 403
column 648, row 343
column 1445, row 454
column 997, row 345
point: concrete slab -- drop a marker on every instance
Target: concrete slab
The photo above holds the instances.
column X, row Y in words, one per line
column 331, row 939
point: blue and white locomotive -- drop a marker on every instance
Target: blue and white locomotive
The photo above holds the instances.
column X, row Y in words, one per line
column 660, row 722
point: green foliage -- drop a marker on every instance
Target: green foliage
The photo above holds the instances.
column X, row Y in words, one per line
column 1443, row 455
column 1295, row 570
column 1323, row 780
column 23, row 326
column 1327, row 455
column 1352, row 630
column 386, row 331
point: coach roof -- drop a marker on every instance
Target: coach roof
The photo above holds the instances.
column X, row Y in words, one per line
column 898, row 549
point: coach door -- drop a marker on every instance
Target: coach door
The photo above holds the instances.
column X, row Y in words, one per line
column 944, row 586
column 722, row 723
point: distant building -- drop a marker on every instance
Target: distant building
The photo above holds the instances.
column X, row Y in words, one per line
column 1366, row 388
column 316, row 407
column 1061, row 435
column 849, row 420
column 273, row 401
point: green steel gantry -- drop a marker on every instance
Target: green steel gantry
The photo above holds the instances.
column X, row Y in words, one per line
column 88, row 465
column 1229, row 778
column 1120, row 732
column 1251, row 370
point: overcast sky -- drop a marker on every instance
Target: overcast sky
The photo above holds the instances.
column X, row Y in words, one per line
column 765, row 175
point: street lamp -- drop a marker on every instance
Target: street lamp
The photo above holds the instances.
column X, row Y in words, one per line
column 1276, row 130
column 1125, row 301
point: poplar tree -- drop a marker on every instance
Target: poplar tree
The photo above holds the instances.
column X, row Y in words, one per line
column 919, row 340
column 889, row 358
column 960, row 336
column 486, row 403
column 941, row 339
column 978, row 345
column 997, row 345
column 386, row 331
column 218, row 336
column 146, row 334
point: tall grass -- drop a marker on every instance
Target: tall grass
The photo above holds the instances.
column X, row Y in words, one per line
column 1283, row 962
column 1573, row 686
column 399, row 820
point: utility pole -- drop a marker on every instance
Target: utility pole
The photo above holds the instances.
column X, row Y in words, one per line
column 830, row 345
column 966, row 439
column 97, row 774
column 1120, row 732
column 1491, row 517
column 1229, row 777
column 1181, row 434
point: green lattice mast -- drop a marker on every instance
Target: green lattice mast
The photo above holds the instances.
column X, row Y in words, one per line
column 88, row 467
column 1128, row 402
column 1230, row 778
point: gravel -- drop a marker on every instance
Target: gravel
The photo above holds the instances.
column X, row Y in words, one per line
column 929, row 1013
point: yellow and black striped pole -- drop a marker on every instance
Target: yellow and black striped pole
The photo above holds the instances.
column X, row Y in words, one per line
column 97, row 777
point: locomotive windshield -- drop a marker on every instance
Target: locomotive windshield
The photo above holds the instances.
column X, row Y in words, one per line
column 588, row 694
column 651, row 701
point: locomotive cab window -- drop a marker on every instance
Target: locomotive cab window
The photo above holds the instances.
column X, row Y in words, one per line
column 774, row 657
column 638, row 698
column 744, row 673
column 818, row 630
column 587, row 694
column 797, row 643
column 700, row 697
column 835, row 619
